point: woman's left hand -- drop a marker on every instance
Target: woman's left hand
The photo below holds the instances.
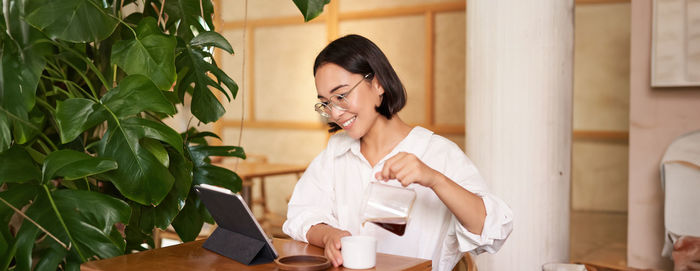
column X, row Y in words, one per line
column 408, row 169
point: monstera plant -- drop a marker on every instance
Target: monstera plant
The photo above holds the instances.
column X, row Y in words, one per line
column 88, row 169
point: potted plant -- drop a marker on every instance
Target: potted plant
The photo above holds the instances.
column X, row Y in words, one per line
column 87, row 167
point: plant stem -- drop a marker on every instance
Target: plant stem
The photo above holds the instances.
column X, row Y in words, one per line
column 85, row 78
column 87, row 183
column 46, row 105
column 58, row 73
column 67, row 82
column 47, row 151
column 82, row 57
column 63, row 223
column 114, row 78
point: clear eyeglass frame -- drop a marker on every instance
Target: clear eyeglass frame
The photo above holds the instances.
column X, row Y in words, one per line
column 337, row 101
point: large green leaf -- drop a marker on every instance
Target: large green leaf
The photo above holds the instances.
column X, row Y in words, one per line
column 140, row 176
column 86, row 217
column 20, row 69
column 189, row 221
column 17, row 166
column 157, row 149
column 211, row 38
column 74, row 116
column 162, row 216
column 194, row 69
column 310, row 8
column 72, row 20
column 73, row 165
column 139, row 230
column 51, row 256
column 167, row 210
column 135, row 94
column 150, row 53
column 155, row 130
column 186, row 15
column 194, row 136
column 206, row 173
column 18, row 196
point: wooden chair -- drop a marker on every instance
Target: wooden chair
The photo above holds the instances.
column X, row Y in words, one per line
column 466, row 263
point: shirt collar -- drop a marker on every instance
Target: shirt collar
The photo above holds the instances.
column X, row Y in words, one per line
column 416, row 142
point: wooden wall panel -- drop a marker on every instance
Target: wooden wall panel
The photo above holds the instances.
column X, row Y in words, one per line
column 449, row 83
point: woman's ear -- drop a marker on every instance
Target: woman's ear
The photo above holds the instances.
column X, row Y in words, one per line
column 377, row 87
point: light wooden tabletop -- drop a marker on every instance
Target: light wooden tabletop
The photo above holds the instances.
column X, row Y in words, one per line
column 191, row 256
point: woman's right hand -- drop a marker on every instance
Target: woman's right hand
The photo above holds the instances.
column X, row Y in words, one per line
column 331, row 242
column 323, row 235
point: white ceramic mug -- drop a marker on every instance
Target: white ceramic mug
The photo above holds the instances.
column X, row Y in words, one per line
column 359, row 252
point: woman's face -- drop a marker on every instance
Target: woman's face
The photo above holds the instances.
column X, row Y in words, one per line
column 360, row 115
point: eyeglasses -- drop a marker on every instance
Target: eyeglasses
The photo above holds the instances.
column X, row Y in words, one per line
column 337, row 101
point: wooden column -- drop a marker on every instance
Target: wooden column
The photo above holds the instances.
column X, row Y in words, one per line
column 519, row 121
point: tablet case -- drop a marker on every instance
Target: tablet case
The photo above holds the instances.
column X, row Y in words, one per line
column 238, row 235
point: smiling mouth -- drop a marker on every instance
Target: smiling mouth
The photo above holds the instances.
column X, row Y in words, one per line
column 348, row 122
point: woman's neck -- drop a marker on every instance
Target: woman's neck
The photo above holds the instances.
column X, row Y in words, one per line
column 382, row 137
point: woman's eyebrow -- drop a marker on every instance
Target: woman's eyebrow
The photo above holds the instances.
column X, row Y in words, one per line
column 334, row 89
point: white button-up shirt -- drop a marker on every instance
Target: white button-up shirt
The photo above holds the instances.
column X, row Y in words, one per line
column 331, row 191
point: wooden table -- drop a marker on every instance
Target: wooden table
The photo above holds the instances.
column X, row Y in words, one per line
column 191, row 256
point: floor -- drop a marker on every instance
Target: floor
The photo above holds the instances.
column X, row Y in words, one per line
column 599, row 238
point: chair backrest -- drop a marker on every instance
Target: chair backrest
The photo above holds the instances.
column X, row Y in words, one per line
column 680, row 179
column 466, row 263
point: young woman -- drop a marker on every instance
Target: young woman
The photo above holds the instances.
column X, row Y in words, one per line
column 360, row 93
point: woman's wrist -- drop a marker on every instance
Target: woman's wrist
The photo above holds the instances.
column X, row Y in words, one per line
column 439, row 181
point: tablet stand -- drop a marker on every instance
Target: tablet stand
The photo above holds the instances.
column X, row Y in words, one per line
column 241, row 248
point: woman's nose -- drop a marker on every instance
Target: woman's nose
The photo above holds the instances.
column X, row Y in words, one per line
column 335, row 112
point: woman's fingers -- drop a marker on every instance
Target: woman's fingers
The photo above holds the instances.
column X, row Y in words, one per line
column 391, row 167
column 329, row 254
column 333, row 247
column 333, row 254
column 406, row 168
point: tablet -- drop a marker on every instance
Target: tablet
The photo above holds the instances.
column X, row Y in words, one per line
column 238, row 236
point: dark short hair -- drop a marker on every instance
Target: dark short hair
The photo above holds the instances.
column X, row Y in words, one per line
column 359, row 55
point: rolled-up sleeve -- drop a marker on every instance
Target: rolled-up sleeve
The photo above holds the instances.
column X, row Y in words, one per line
column 311, row 202
column 497, row 226
column 498, row 223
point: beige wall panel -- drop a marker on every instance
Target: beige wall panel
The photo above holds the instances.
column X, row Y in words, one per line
column 284, row 82
column 358, row 5
column 279, row 145
column 402, row 39
column 234, row 10
column 599, row 181
column 449, row 67
column 601, row 67
column 233, row 66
